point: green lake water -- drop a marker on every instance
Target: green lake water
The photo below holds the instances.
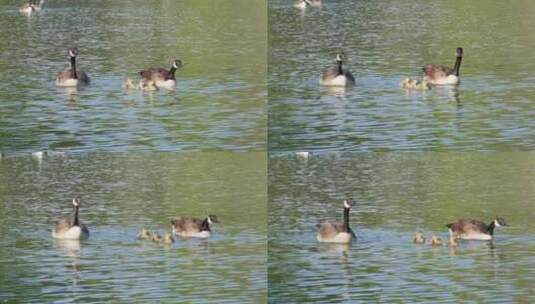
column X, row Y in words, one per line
column 121, row 193
column 384, row 42
column 396, row 195
column 218, row 103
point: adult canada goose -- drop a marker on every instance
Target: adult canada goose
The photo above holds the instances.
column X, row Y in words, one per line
column 418, row 238
column 193, row 227
column 301, row 4
column 162, row 77
column 470, row 229
column 337, row 76
column 336, row 232
column 443, row 75
column 72, row 77
column 73, row 230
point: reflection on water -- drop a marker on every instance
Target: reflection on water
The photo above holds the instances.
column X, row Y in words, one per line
column 219, row 101
column 339, row 92
column 120, row 194
column 386, row 42
column 70, row 250
column 397, row 195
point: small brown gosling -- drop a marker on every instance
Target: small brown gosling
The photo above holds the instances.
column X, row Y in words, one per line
column 129, row 84
column 156, row 238
column 452, row 242
column 143, row 234
column 413, row 84
column 435, row 241
column 168, row 238
column 418, row 238
column 147, row 85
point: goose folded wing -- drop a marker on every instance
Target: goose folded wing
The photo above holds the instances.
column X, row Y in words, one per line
column 187, row 223
column 330, row 228
column 62, row 225
column 437, row 71
column 155, row 73
column 467, row 225
column 329, row 73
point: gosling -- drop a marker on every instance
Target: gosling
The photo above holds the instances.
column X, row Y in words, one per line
column 413, row 84
column 156, row 238
column 147, row 85
column 168, row 238
column 418, row 238
column 435, row 241
column 143, row 234
column 129, row 84
column 452, row 242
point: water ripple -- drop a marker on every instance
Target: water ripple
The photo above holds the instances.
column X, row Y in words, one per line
column 386, row 42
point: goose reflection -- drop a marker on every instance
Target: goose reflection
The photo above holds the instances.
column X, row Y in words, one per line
column 69, row 247
column 71, row 250
column 449, row 93
column 476, row 245
column 193, row 247
column 342, row 251
column 336, row 91
column 70, row 93
column 339, row 249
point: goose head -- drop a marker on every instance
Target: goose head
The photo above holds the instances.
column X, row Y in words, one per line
column 73, row 52
column 499, row 222
column 348, row 203
column 75, row 202
column 177, row 63
column 340, row 57
column 459, row 52
column 212, row 219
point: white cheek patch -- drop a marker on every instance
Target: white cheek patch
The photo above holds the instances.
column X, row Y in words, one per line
column 210, row 221
column 346, row 205
column 496, row 224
